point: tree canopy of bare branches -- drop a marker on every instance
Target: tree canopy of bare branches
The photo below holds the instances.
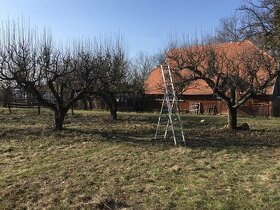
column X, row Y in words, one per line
column 261, row 22
column 140, row 68
column 229, row 30
column 234, row 71
column 58, row 77
column 111, row 74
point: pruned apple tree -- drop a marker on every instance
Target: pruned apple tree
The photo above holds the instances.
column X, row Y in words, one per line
column 235, row 71
column 57, row 76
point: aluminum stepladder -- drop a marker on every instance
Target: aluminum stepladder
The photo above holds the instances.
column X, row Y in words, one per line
column 170, row 106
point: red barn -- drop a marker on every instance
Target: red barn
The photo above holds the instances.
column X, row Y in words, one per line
column 200, row 99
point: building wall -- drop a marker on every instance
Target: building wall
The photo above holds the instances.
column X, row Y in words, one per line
column 276, row 99
column 257, row 106
column 153, row 102
column 276, row 107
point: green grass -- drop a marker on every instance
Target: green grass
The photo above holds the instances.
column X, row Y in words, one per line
column 95, row 163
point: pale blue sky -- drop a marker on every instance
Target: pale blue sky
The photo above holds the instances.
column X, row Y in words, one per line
column 144, row 24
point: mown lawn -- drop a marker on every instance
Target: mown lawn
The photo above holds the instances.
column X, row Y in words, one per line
column 95, row 163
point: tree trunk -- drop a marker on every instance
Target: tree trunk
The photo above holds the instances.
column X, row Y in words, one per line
column 114, row 115
column 59, row 119
column 85, row 105
column 90, row 103
column 232, row 118
column 113, row 110
column 112, row 104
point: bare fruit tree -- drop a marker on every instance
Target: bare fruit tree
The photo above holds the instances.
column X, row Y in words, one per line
column 56, row 77
column 111, row 72
column 140, row 68
column 234, row 71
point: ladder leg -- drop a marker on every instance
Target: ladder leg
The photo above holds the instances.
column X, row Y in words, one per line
column 180, row 122
column 166, row 129
column 170, row 120
column 172, row 129
column 159, row 119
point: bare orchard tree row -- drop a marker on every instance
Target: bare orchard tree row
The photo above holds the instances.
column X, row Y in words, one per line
column 35, row 64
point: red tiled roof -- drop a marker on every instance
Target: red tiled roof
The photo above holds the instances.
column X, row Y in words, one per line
column 154, row 85
column 154, row 82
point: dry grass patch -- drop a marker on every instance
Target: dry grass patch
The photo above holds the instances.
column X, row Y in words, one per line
column 95, row 163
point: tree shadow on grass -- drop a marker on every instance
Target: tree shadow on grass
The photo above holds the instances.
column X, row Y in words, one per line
column 239, row 139
column 220, row 139
column 137, row 138
column 141, row 130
